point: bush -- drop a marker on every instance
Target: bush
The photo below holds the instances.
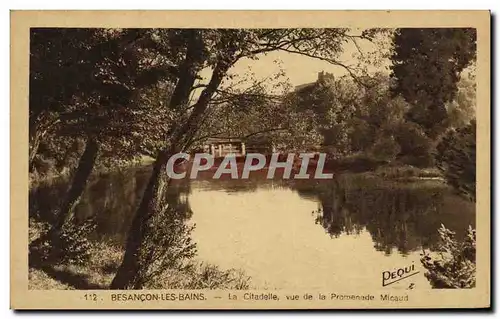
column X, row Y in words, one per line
column 456, row 158
column 416, row 148
column 359, row 163
column 207, row 276
column 455, row 264
column 167, row 243
column 69, row 246
column 385, row 149
column 398, row 171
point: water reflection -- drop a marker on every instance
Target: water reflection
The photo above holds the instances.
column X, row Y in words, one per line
column 284, row 234
column 398, row 215
column 110, row 198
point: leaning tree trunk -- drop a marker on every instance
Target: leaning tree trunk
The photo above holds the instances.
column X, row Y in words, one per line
column 128, row 275
column 152, row 201
column 83, row 171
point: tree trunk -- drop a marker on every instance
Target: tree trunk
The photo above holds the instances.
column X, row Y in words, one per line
column 35, row 139
column 152, row 200
column 83, row 171
column 128, row 275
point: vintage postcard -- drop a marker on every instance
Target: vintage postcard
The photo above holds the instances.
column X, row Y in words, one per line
column 250, row 160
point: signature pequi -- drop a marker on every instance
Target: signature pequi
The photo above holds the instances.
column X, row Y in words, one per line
column 390, row 277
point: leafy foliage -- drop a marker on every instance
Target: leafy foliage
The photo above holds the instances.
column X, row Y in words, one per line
column 426, row 67
column 95, row 83
column 456, row 158
column 385, row 149
column 455, row 264
column 416, row 147
column 353, row 118
column 212, row 277
column 167, row 242
column 71, row 246
column 463, row 108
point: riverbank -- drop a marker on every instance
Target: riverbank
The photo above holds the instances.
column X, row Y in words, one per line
column 408, row 172
column 48, row 179
column 356, row 164
column 104, row 261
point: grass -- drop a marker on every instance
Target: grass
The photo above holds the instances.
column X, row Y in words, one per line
column 40, row 280
column 369, row 180
column 199, row 275
column 105, row 259
column 96, row 274
column 407, row 171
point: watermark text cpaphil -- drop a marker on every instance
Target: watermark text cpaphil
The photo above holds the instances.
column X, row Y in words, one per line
column 300, row 165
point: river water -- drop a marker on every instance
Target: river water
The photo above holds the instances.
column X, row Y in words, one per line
column 290, row 234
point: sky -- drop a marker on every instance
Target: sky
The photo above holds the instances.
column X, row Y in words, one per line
column 300, row 69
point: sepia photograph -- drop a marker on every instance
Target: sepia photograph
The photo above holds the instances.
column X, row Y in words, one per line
column 335, row 162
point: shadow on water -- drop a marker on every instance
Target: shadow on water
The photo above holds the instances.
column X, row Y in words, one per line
column 110, row 201
column 398, row 215
column 110, row 198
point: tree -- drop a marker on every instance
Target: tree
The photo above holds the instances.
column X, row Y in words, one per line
column 57, row 77
column 353, row 117
column 455, row 264
column 456, row 158
column 254, row 112
column 385, row 149
column 104, row 74
column 109, row 114
column 426, row 67
column 416, row 146
column 332, row 103
column 463, row 108
column 219, row 50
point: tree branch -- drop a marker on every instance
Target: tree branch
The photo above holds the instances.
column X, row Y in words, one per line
column 244, row 137
column 334, row 62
